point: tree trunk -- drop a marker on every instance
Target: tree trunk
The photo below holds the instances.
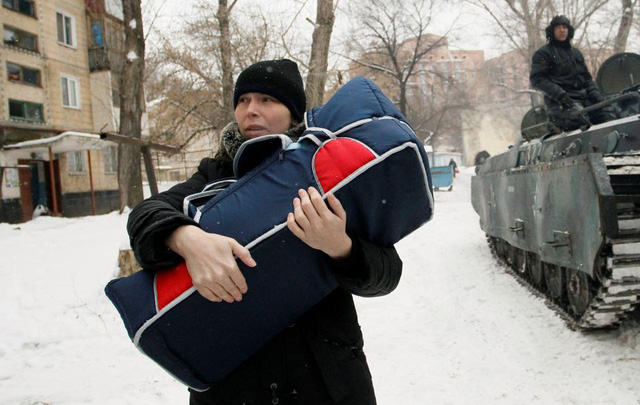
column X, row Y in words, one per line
column 625, row 26
column 318, row 62
column 131, row 105
column 127, row 263
column 402, row 102
column 225, row 58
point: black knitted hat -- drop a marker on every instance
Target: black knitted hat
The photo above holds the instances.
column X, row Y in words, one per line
column 278, row 78
column 559, row 20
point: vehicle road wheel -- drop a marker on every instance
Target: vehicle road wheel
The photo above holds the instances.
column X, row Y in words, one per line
column 534, row 269
column 512, row 254
column 501, row 248
column 520, row 262
column 579, row 291
column 554, row 280
column 492, row 245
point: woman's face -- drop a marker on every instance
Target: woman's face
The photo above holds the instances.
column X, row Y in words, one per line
column 260, row 114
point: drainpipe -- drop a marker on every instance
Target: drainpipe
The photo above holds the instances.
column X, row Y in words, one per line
column 93, row 197
column 52, row 177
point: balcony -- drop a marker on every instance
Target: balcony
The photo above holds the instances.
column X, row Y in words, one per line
column 98, row 58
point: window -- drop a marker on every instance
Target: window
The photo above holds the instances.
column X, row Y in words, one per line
column 21, row 6
column 97, row 31
column 114, row 36
column 22, row 74
column 66, row 29
column 20, row 39
column 499, row 74
column 25, row 111
column 70, row 91
column 75, row 162
column 110, row 157
column 174, row 175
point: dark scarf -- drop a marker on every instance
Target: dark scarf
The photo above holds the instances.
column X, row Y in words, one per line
column 231, row 139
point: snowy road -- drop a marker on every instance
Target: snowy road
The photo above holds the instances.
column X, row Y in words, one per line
column 458, row 330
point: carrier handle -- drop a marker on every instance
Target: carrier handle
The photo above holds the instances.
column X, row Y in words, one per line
column 318, row 133
column 312, row 137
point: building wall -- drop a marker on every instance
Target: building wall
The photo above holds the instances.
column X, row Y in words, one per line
column 55, row 60
column 79, row 204
column 27, row 58
column 52, row 60
column 492, row 129
column 10, row 211
column 80, row 182
column 10, row 190
column 71, row 182
column 104, row 119
column 500, row 91
column 67, row 60
column 10, row 158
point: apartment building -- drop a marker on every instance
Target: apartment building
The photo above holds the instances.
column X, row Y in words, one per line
column 61, row 60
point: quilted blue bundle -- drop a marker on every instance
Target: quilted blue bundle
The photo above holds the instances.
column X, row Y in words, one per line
column 357, row 146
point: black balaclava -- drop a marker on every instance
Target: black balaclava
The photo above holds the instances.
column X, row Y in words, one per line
column 555, row 21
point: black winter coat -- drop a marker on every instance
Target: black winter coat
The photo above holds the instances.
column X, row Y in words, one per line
column 557, row 69
column 319, row 359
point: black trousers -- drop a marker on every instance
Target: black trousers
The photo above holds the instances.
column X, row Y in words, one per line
column 283, row 372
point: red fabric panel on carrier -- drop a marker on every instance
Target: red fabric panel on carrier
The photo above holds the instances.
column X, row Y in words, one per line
column 171, row 283
column 337, row 159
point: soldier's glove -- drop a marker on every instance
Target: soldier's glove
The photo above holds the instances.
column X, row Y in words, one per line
column 597, row 97
column 565, row 101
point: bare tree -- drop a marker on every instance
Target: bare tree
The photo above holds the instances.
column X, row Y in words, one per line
column 225, row 58
column 393, row 40
column 131, row 105
column 318, row 61
column 626, row 20
column 522, row 22
column 188, row 76
column 435, row 112
column 176, row 114
column 414, row 68
column 636, row 21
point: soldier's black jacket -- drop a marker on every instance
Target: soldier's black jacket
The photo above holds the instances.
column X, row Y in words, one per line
column 558, row 68
column 319, row 359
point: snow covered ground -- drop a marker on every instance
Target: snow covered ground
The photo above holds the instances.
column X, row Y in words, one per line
column 458, row 330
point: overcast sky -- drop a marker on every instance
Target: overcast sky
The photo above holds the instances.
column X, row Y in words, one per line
column 471, row 31
column 474, row 30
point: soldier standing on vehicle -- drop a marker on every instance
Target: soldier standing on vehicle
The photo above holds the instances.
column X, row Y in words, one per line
column 558, row 70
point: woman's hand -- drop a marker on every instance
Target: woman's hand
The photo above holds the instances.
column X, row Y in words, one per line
column 210, row 260
column 318, row 226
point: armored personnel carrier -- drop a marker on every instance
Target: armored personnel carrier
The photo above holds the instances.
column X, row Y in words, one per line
column 562, row 209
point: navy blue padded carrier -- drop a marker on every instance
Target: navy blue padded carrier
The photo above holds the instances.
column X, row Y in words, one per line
column 359, row 147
